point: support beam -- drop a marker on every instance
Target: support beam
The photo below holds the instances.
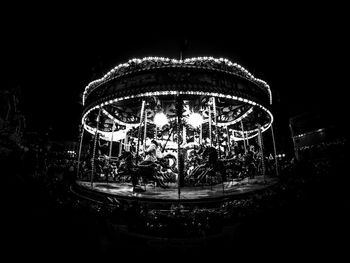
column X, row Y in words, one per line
column 296, row 152
column 180, row 161
column 228, row 139
column 244, row 142
column 261, row 144
column 126, row 142
column 145, row 132
column 274, row 150
column 94, row 150
column 210, row 132
column 184, row 135
column 140, row 129
column 216, row 127
column 110, row 148
column 121, row 142
column 80, row 147
column 111, row 142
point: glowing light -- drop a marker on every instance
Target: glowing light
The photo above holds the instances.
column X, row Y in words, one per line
column 250, row 133
column 195, row 119
column 160, row 119
column 129, row 66
column 128, row 125
column 117, row 135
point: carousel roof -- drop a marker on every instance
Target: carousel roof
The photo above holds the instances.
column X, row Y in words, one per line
column 147, row 63
column 118, row 95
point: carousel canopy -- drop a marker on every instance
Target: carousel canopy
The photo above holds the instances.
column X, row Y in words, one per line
column 240, row 98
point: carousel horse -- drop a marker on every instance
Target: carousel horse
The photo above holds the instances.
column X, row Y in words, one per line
column 168, row 161
column 209, row 168
column 249, row 166
column 234, row 165
column 148, row 171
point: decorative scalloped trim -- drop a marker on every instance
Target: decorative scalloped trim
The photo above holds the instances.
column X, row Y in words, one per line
column 127, row 67
column 159, row 93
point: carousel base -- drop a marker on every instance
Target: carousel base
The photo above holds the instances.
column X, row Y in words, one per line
column 117, row 192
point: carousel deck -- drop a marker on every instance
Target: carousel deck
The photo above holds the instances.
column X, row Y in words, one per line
column 150, row 192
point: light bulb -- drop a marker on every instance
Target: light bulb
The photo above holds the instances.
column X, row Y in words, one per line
column 195, row 119
column 160, row 119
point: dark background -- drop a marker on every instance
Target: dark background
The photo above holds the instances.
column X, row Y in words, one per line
column 53, row 52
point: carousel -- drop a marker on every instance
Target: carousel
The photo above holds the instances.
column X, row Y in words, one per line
column 166, row 129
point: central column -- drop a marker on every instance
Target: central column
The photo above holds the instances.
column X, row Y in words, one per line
column 210, row 132
column 180, row 160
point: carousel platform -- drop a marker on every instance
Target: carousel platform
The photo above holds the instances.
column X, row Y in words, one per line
column 117, row 192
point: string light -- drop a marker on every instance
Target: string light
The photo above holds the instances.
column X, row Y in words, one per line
column 199, row 93
column 158, row 62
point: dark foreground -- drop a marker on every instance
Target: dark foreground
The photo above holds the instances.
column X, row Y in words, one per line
column 311, row 220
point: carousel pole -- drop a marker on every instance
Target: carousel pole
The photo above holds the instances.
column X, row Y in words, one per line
column 296, row 150
column 274, row 149
column 80, row 147
column 228, row 139
column 121, row 146
column 110, row 147
column 178, row 146
column 145, row 132
column 184, row 135
column 210, row 124
column 94, row 151
column 244, row 142
column 200, row 133
column 111, row 142
column 261, row 144
column 126, row 146
column 217, row 138
column 216, row 126
column 139, row 134
column 180, row 176
column 233, row 140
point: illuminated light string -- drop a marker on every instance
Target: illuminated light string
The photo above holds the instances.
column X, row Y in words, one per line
column 304, row 134
column 117, row 135
column 128, row 125
column 121, row 134
column 173, row 92
column 221, row 124
column 253, row 133
column 160, row 93
column 123, row 68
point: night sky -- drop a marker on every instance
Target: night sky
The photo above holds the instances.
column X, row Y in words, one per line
column 54, row 52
